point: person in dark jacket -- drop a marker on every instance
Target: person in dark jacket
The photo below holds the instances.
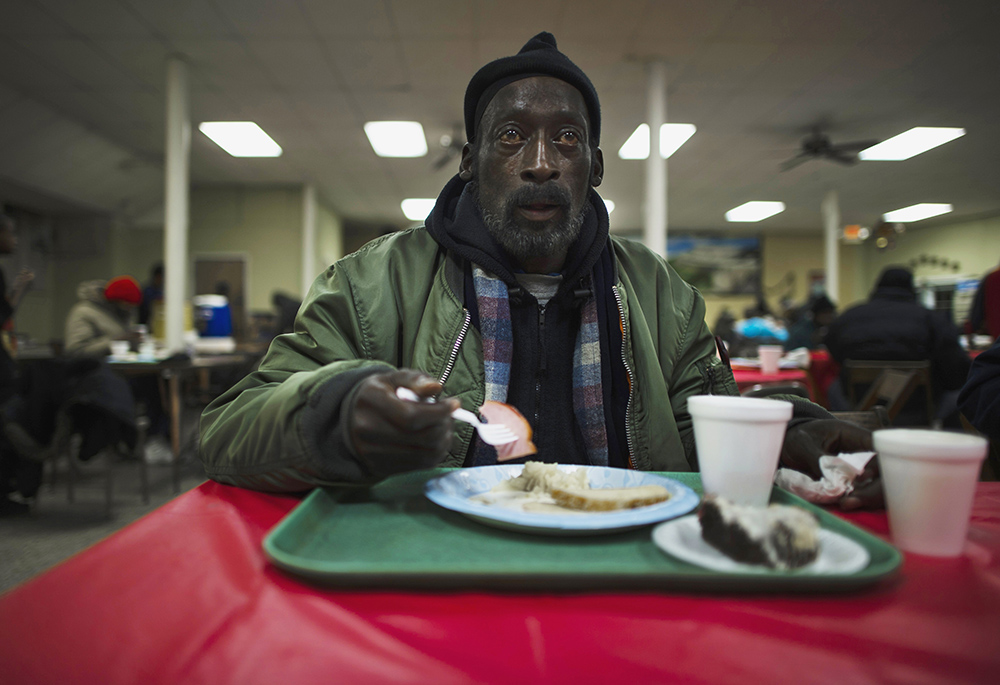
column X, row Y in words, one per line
column 515, row 256
column 11, row 468
column 979, row 398
column 893, row 326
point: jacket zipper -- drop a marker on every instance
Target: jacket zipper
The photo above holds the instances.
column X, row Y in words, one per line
column 631, row 379
column 454, row 348
column 541, row 362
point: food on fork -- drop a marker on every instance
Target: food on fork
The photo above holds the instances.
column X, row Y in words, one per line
column 778, row 536
column 498, row 412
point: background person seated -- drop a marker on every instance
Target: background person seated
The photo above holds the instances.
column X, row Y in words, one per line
column 810, row 328
column 102, row 314
column 893, row 326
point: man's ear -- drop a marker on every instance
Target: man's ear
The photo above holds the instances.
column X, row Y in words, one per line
column 597, row 169
column 465, row 166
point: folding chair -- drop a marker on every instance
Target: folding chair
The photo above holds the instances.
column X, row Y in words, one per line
column 890, row 383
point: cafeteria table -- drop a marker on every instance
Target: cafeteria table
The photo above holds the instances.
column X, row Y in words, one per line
column 171, row 371
column 746, row 378
column 186, row 595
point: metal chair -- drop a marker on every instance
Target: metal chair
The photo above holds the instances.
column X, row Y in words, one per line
column 890, row 384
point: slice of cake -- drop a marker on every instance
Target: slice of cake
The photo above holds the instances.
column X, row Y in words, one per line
column 777, row 536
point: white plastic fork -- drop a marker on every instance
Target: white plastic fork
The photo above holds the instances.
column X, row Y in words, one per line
column 490, row 433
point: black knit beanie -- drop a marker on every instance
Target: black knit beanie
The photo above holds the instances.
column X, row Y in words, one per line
column 896, row 277
column 538, row 57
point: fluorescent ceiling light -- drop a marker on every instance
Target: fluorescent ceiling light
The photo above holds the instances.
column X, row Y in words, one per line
column 754, row 211
column 396, row 138
column 417, row 208
column 924, row 210
column 672, row 136
column 610, row 205
column 911, row 143
column 241, row 138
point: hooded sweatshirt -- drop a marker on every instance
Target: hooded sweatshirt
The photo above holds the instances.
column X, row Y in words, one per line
column 541, row 379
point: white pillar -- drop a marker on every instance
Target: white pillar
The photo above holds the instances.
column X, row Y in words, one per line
column 176, row 193
column 308, row 237
column 830, row 208
column 655, row 231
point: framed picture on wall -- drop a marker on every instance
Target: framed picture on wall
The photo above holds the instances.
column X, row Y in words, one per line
column 718, row 265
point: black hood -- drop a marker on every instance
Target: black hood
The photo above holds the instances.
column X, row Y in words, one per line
column 457, row 224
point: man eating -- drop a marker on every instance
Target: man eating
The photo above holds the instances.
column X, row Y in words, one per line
column 513, row 291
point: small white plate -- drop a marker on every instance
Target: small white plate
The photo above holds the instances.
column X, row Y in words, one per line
column 452, row 491
column 681, row 538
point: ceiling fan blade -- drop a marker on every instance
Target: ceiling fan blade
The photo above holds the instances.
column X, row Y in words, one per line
column 795, row 161
column 842, row 158
column 856, row 146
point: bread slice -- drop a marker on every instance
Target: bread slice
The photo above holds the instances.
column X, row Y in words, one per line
column 609, row 499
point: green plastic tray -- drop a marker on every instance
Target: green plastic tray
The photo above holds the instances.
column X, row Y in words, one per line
column 391, row 536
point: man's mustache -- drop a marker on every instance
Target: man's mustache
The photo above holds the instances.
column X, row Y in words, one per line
column 538, row 195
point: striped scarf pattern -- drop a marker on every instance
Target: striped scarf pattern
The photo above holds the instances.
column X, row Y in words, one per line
column 588, row 397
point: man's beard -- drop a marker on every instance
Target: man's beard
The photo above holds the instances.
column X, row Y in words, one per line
column 522, row 239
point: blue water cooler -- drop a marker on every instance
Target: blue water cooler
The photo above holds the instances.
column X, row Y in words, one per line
column 213, row 318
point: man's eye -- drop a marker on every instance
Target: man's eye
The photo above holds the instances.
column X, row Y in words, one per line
column 569, row 137
column 510, row 136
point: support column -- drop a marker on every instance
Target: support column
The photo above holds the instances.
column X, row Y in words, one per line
column 655, row 230
column 176, row 202
column 309, row 269
column 830, row 208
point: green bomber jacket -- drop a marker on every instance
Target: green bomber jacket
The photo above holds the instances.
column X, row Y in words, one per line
column 397, row 303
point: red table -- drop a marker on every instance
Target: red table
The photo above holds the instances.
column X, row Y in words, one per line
column 747, row 378
column 185, row 595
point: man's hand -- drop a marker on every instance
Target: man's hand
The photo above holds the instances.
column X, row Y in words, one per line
column 393, row 435
column 23, row 278
column 810, row 440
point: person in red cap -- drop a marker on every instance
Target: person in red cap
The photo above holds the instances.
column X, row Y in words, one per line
column 103, row 313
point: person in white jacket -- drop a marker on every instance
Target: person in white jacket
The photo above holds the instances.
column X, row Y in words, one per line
column 103, row 313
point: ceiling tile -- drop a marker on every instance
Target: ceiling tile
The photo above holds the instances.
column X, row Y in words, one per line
column 367, row 63
column 369, row 19
column 145, row 60
column 436, row 63
column 182, row 18
column 265, row 18
column 432, row 18
column 21, row 69
column 294, row 63
column 86, row 66
column 24, row 18
column 223, row 63
column 97, row 17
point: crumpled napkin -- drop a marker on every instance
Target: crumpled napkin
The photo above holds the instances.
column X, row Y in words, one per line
column 800, row 355
column 839, row 473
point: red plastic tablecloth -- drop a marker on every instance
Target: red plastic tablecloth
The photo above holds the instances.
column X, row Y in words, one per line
column 185, row 595
column 747, row 378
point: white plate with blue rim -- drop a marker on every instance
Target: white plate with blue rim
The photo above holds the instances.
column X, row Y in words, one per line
column 456, row 491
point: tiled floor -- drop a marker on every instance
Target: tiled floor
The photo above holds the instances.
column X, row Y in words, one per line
column 55, row 528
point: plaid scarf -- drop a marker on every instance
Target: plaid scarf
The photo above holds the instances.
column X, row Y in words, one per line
column 498, row 343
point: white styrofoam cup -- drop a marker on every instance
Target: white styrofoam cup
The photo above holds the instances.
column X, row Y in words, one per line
column 929, row 479
column 770, row 357
column 738, row 441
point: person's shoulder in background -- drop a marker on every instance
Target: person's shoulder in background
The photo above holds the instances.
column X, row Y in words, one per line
column 979, row 398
